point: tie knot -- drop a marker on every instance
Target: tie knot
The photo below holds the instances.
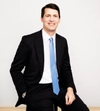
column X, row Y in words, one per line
column 51, row 39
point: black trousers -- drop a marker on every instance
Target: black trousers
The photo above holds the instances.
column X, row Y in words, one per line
column 42, row 98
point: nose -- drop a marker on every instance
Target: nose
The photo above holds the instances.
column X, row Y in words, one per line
column 51, row 18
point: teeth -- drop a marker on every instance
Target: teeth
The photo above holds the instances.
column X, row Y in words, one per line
column 51, row 24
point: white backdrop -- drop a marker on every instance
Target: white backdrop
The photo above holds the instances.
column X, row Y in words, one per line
column 80, row 24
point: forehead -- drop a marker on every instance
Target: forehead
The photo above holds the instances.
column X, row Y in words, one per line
column 50, row 11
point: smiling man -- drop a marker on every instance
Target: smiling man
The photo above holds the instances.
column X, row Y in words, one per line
column 50, row 19
column 47, row 79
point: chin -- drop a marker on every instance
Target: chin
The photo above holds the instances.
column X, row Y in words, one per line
column 52, row 30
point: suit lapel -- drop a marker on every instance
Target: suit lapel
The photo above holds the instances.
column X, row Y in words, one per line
column 39, row 50
column 58, row 52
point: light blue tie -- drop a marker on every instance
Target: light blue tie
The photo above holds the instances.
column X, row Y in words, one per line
column 54, row 73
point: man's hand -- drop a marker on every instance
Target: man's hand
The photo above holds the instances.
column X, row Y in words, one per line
column 69, row 97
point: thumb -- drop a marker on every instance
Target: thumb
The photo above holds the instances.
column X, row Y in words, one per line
column 66, row 99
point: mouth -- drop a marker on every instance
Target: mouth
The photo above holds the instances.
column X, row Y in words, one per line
column 51, row 24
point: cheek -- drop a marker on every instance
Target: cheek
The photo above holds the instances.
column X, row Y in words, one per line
column 57, row 23
column 58, row 20
column 45, row 21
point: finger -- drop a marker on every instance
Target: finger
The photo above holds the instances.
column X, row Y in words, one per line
column 70, row 100
column 66, row 99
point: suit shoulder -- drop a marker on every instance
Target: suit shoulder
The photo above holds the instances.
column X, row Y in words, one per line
column 30, row 38
column 61, row 37
column 32, row 35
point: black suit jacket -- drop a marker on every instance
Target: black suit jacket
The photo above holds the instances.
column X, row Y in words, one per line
column 30, row 56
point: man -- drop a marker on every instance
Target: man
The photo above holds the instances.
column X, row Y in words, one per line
column 35, row 85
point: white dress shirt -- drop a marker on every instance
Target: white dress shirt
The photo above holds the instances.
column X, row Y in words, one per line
column 46, row 77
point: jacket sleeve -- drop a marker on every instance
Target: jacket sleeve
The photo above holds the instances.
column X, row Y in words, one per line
column 66, row 69
column 19, row 62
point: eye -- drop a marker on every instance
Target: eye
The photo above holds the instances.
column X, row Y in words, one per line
column 47, row 15
column 55, row 15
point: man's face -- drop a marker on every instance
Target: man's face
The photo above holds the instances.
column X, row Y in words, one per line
column 50, row 20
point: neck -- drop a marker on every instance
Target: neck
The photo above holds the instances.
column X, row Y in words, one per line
column 50, row 33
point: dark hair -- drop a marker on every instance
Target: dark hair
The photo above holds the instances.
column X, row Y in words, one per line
column 52, row 6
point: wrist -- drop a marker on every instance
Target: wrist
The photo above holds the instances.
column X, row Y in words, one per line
column 69, row 89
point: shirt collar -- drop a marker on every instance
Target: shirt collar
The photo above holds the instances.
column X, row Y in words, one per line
column 46, row 37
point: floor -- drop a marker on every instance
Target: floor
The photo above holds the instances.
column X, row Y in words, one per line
column 23, row 109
